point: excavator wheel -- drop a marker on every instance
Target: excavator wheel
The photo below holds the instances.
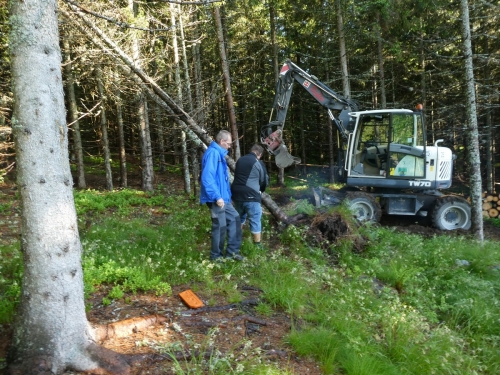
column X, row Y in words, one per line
column 451, row 213
column 364, row 206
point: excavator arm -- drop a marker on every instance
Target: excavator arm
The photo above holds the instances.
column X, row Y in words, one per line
column 272, row 133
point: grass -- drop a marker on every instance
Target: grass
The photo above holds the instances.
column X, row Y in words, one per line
column 405, row 305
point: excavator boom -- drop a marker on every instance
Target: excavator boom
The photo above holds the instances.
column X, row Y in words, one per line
column 272, row 133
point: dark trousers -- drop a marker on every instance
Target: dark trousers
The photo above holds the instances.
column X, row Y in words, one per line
column 225, row 221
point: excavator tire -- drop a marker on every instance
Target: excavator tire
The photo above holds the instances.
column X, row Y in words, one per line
column 364, row 206
column 451, row 213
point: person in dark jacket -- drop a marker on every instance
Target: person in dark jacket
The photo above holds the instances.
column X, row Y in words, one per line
column 215, row 192
column 250, row 181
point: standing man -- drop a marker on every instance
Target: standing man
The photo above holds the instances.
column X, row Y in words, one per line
column 250, row 180
column 216, row 193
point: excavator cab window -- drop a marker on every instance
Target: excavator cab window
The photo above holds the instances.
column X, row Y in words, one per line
column 407, row 130
column 371, row 147
column 389, row 145
column 407, row 149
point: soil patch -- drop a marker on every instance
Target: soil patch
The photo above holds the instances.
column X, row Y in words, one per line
column 215, row 331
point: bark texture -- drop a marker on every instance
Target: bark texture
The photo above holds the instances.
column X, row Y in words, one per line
column 473, row 134
column 227, row 84
column 51, row 333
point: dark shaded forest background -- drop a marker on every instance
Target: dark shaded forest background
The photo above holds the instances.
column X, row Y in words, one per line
column 399, row 53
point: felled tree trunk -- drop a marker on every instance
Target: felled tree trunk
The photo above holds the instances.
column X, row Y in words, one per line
column 177, row 112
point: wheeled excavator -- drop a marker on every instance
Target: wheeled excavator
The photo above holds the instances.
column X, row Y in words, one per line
column 384, row 160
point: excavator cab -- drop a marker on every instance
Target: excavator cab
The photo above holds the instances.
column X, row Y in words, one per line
column 386, row 144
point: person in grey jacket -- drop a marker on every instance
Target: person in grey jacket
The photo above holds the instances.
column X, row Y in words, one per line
column 250, row 181
column 215, row 192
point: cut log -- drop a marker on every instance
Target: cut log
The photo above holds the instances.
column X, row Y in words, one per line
column 486, row 213
column 493, row 212
column 489, row 198
column 487, row 206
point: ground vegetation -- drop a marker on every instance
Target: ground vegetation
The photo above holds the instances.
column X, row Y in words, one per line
column 325, row 296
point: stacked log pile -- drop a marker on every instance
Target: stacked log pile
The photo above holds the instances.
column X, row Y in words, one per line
column 491, row 205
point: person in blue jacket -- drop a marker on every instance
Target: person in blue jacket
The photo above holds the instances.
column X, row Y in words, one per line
column 216, row 194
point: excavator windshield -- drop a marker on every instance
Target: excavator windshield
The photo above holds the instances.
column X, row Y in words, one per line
column 388, row 144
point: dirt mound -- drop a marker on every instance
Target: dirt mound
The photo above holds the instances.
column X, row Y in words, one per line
column 332, row 229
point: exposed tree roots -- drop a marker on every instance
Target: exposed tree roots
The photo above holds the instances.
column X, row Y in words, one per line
column 331, row 229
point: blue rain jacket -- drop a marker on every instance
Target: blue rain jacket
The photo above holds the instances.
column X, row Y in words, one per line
column 214, row 175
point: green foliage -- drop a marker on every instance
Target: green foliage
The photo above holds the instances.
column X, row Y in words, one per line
column 218, row 363
column 321, row 344
column 129, row 278
column 116, row 292
column 122, row 200
column 292, row 236
column 301, row 206
column 495, row 222
column 264, row 309
column 11, row 268
column 4, row 207
column 404, row 305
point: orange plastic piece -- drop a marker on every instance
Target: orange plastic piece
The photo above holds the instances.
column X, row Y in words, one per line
column 191, row 299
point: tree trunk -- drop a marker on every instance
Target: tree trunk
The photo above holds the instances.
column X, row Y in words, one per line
column 343, row 54
column 180, row 98
column 51, row 332
column 161, row 138
column 121, row 138
column 422, row 63
column 196, row 170
column 198, row 79
column 73, row 115
column 144, row 133
column 490, row 156
column 331, row 157
column 380, row 53
column 104, row 132
column 473, row 134
column 187, row 80
column 189, row 99
column 146, row 149
column 276, row 68
column 303, row 141
column 227, row 85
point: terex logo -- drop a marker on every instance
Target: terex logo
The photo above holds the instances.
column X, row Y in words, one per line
column 420, row 183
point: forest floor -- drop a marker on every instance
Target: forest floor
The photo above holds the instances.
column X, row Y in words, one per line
column 229, row 328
